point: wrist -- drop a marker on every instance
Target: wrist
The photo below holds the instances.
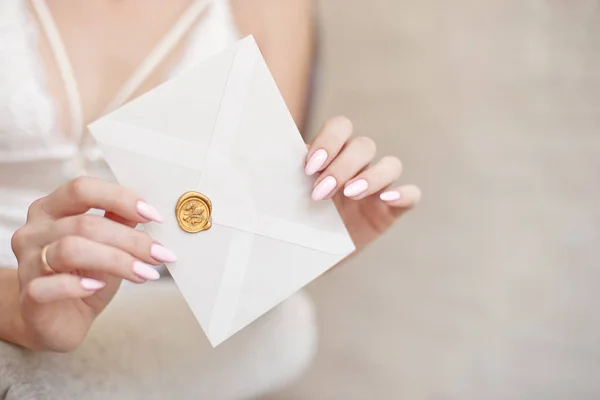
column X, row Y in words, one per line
column 22, row 335
column 12, row 326
column 17, row 332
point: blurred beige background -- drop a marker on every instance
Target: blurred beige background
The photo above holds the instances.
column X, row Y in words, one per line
column 489, row 290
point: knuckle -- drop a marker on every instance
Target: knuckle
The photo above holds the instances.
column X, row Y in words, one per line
column 78, row 187
column 418, row 194
column 366, row 143
column 34, row 209
column 392, row 162
column 413, row 196
column 341, row 122
column 85, row 225
column 18, row 240
column 30, row 293
column 340, row 126
column 141, row 241
column 67, row 249
column 117, row 259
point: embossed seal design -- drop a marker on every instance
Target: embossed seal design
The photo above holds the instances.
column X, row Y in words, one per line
column 193, row 212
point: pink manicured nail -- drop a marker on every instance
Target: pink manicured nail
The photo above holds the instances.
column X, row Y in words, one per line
column 145, row 271
column 91, row 284
column 324, row 188
column 356, row 188
column 390, row 196
column 162, row 254
column 149, row 212
column 315, row 162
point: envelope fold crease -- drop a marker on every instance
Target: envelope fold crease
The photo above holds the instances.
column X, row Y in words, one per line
column 222, row 128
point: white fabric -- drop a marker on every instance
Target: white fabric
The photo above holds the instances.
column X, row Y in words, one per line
column 156, row 56
column 148, row 345
column 35, row 155
column 174, row 360
column 64, row 65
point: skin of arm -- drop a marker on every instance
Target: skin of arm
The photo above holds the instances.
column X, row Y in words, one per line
column 11, row 325
column 284, row 31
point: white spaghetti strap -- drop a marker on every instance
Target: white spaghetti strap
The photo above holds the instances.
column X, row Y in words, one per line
column 64, row 65
column 162, row 49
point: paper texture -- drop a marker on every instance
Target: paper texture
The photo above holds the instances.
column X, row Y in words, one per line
column 222, row 129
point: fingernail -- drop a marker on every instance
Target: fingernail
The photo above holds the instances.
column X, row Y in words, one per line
column 315, row 162
column 390, row 196
column 162, row 254
column 356, row 188
column 145, row 271
column 91, row 284
column 324, row 188
column 148, row 212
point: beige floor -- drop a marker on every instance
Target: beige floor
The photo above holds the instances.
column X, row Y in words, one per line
column 490, row 290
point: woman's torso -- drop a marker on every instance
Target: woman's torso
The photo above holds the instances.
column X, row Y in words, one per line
column 39, row 145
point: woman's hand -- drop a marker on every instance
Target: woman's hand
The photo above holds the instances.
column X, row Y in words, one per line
column 71, row 264
column 361, row 191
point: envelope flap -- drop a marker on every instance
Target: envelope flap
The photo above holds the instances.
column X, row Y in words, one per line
column 248, row 199
column 254, row 171
column 222, row 128
column 183, row 109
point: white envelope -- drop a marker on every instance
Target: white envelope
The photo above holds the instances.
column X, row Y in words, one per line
column 222, row 129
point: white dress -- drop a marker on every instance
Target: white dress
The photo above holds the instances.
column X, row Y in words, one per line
column 152, row 339
column 35, row 155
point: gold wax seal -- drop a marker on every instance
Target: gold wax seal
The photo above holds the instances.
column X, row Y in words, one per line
column 193, row 212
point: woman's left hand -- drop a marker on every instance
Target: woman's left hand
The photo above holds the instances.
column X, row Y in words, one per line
column 362, row 192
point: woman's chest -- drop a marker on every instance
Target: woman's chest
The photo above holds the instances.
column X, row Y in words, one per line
column 103, row 50
column 104, row 44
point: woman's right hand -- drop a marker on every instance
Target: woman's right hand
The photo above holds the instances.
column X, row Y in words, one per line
column 86, row 258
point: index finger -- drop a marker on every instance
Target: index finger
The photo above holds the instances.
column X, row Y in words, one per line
column 84, row 193
column 328, row 144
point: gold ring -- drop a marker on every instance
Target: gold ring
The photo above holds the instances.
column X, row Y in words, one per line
column 193, row 211
column 44, row 259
